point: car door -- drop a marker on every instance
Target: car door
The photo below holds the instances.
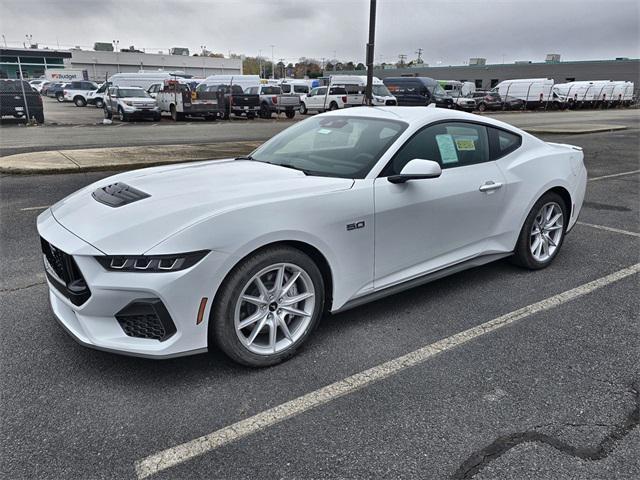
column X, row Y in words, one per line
column 424, row 225
column 319, row 98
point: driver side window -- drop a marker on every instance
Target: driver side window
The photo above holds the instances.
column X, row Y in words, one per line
column 451, row 144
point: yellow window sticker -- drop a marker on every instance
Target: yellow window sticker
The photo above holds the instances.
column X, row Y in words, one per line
column 465, row 144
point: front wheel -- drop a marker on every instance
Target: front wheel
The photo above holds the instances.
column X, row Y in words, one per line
column 99, row 103
column 123, row 116
column 79, row 102
column 267, row 307
column 482, row 107
column 542, row 233
column 60, row 97
column 303, row 109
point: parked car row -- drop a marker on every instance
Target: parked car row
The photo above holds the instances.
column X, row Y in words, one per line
column 13, row 94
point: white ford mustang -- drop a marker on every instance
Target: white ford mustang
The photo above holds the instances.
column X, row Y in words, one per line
column 343, row 208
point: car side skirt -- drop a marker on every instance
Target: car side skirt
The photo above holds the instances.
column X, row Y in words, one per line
column 421, row 280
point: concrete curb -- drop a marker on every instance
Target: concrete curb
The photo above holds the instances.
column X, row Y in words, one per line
column 573, row 129
column 119, row 158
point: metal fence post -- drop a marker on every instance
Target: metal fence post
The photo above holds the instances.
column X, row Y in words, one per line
column 24, row 95
column 526, row 103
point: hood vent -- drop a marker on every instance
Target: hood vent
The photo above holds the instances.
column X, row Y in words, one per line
column 118, row 194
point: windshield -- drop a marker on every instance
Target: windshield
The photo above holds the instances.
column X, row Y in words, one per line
column 345, row 147
column 381, row 91
column 132, row 92
column 437, row 90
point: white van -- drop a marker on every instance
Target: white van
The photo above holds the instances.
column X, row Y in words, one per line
column 585, row 93
column 536, row 92
column 299, row 87
column 142, row 79
column 244, row 81
column 355, row 86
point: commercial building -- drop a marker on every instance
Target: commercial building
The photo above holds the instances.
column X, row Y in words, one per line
column 488, row 76
column 99, row 64
column 33, row 62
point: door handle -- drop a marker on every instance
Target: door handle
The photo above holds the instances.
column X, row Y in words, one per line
column 490, row 186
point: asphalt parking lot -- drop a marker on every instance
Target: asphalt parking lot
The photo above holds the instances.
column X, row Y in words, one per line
column 553, row 395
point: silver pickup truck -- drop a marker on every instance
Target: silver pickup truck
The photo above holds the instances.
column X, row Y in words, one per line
column 273, row 100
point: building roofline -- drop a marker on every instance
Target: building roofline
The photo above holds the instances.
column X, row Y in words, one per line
column 32, row 52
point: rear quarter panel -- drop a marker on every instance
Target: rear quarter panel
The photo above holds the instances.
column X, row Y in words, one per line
column 530, row 171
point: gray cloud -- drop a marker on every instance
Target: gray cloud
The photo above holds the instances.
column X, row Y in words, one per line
column 449, row 31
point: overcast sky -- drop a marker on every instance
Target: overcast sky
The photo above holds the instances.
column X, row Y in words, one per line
column 448, row 31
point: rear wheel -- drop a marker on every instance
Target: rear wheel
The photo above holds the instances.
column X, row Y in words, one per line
column 333, row 106
column 290, row 113
column 267, row 307
column 482, row 107
column 60, row 97
column 542, row 233
column 265, row 112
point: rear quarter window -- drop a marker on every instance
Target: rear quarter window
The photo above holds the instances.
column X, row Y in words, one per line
column 503, row 142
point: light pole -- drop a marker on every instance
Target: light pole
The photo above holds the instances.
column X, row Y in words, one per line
column 259, row 63
column 115, row 44
column 203, row 48
column 273, row 66
column 372, row 37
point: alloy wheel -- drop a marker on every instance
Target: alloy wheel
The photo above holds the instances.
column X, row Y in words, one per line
column 546, row 232
column 274, row 309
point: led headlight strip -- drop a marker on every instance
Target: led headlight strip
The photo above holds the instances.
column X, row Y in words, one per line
column 151, row 263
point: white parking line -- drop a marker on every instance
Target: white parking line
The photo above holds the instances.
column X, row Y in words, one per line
column 181, row 453
column 27, row 209
column 614, row 175
column 610, row 229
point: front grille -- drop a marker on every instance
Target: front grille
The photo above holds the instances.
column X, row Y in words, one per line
column 63, row 273
column 146, row 318
column 118, row 194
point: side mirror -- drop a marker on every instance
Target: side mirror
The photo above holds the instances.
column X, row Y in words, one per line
column 417, row 169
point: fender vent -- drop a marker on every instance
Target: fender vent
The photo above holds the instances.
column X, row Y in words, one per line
column 118, row 194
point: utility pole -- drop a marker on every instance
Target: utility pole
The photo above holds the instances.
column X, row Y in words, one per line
column 116, row 43
column 419, row 52
column 402, row 58
column 370, row 44
column 260, row 63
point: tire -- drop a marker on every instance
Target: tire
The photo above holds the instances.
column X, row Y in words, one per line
column 60, row 97
column 80, row 102
column 123, row 116
column 39, row 117
column 333, row 106
column 482, row 107
column 265, row 112
column 525, row 255
column 99, row 103
column 290, row 113
column 175, row 115
column 157, row 117
column 251, row 116
column 303, row 109
column 228, row 309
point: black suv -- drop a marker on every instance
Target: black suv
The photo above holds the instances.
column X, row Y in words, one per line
column 12, row 100
column 418, row 91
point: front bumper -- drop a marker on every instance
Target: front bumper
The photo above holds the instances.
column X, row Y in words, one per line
column 93, row 323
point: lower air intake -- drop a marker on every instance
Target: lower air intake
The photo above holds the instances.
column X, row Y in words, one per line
column 146, row 318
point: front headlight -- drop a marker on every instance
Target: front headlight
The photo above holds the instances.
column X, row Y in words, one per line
column 151, row 263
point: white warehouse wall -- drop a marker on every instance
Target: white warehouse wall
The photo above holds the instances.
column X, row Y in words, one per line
column 102, row 64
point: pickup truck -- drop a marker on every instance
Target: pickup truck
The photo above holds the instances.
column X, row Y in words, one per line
column 78, row 92
column 319, row 100
column 178, row 98
column 12, row 100
column 232, row 99
column 273, row 100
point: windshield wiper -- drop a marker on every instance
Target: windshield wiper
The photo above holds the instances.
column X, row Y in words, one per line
column 285, row 165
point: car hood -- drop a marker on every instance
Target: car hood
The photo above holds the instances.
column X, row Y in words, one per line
column 179, row 196
column 136, row 99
